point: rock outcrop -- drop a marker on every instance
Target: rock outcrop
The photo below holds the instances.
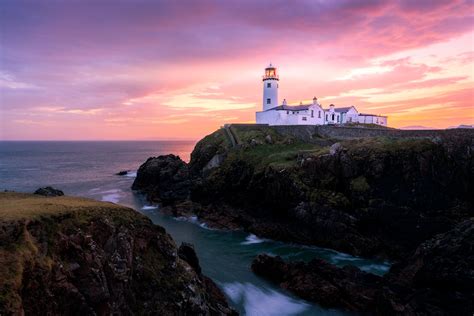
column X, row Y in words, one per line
column 321, row 282
column 438, row 279
column 64, row 255
column 164, row 179
column 49, row 191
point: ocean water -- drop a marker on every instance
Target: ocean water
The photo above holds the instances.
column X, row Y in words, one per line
column 88, row 169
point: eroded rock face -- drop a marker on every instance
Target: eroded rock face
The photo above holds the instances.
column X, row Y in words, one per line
column 438, row 279
column 94, row 258
column 163, row 178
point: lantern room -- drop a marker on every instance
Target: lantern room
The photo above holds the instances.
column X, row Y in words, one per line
column 270, row 73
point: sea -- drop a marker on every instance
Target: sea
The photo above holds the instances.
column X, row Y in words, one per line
column 88, row 169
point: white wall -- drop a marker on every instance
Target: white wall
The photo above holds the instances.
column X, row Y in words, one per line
column 373, row 119
column 270, row 93
column 332, row 117
column 288, row 117
column 351, row 116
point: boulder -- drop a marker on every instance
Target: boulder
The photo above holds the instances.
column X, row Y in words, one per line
column 164, row 179
column 187, row 253
column 122, row 173
column 49, row 191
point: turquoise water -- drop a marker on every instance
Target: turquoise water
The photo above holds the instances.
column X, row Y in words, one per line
column 88, row 169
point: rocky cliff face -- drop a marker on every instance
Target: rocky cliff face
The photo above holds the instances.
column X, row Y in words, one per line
column 438, row 279
column 372, row 196
column 63, row 255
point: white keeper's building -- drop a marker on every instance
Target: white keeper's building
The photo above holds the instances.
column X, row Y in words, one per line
column 274, row 113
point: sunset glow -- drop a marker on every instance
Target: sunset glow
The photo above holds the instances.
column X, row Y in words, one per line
column 180, row 69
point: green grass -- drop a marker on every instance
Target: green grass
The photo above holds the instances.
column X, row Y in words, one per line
column 388, row 144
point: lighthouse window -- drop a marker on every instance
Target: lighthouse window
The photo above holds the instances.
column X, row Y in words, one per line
column 326, row 117
column 332, row 117
column 319, row 114
column 269, row 101
column 269, row 85
column 312, row 113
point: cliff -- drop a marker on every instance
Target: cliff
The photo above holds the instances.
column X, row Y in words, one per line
column 70, row 256
column 371, row 196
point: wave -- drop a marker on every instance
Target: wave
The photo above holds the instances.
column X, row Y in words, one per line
column 262, row 302
column 252, row 239
column 131, row 174
column 193, row 219
column 149, row 207
column 111, row 195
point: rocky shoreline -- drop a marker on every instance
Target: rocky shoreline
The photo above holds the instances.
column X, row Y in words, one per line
column 373, row 197
column 61, row 255
column 436, row 280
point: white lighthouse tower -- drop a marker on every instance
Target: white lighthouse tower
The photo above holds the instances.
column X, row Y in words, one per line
column 270, row 88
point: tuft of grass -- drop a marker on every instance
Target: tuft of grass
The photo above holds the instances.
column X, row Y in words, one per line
column 360, row 185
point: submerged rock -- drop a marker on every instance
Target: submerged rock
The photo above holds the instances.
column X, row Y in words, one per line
column 49, row 191
column 122, row 173
column 74, row 256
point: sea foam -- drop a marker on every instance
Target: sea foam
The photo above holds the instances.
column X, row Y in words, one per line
column 149, row 207
column 262, row 302
column 131, row 174
column 252, row 239
column 111, row 195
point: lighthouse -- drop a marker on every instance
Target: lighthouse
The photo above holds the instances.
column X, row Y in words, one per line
column 270, row 88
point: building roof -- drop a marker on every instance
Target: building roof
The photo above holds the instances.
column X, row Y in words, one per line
column 365, row 114
column 301, row 107
column 343, row 110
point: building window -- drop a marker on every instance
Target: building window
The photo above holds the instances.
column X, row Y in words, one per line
column 312, row 113
column 326, row 117
column 269, row 85
column 269, row 101
column 338, row 118
column 332, row 119
column 304, row 118
column 319, row 114
column 287, row 112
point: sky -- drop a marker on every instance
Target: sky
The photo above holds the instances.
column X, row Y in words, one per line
column 90, row 70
